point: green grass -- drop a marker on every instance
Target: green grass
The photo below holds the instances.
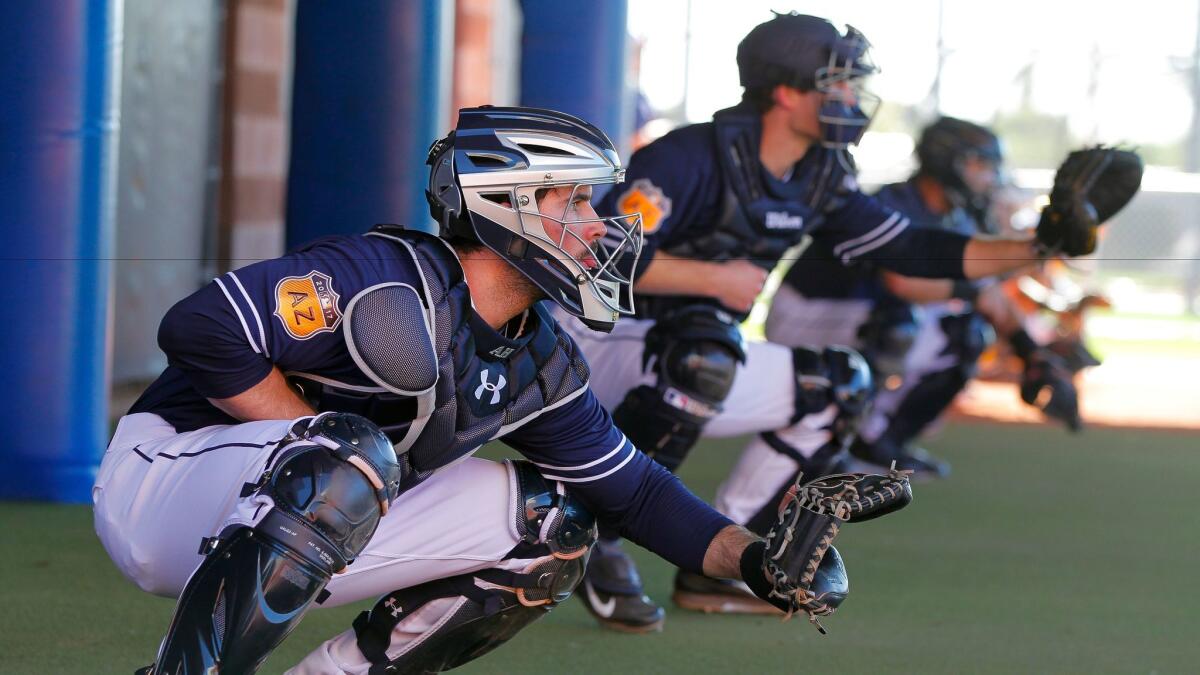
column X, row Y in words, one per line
column 1045, row 553
column 1176, row 349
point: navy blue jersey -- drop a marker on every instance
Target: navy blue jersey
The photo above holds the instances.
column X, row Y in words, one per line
column 676, row 183
column 906, row 198
column 287, row 313
column 820, row 273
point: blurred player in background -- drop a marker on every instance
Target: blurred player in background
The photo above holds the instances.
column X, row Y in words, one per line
column 922, row 337
column 722, row 203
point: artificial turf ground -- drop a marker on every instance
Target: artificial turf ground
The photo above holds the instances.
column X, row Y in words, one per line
column 1045, row 553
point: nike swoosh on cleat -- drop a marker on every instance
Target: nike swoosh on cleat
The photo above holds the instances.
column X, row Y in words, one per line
column 604, row 609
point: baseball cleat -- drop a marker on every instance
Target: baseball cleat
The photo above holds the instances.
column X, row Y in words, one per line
column 612, row 592
column 706, row 594
column 919, row 461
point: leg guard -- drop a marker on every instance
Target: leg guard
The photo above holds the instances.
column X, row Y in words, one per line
column 833, row 391
column 329, row 489
column 695, row 351
column 886, row 338
column 925, row 402
column 489, row 606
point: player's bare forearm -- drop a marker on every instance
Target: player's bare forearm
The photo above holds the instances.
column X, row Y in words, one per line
column 985, row 257
column 914, row 289
column 999, row 310
column 724, row 554
column 271, row 399
column 734, row 283
column 672, row 275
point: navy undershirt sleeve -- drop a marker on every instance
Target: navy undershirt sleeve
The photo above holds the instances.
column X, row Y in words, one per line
column 578, row 445
column 924, row 252
column 862, row 228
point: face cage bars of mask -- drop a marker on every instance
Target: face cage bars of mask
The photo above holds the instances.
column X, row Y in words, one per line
column 606, row 252
column 849, row 109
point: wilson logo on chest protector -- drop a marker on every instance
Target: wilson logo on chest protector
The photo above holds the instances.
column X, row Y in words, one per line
column 490, row 386
column 307, row 305
column 782, row 220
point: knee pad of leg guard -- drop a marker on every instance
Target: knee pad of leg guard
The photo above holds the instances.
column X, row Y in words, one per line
column 664, row 424
column 336, row 489
column 325, row 509
column 696, row 357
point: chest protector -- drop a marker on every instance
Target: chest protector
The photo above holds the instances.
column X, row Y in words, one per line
column 438, row 396
column 752, row 221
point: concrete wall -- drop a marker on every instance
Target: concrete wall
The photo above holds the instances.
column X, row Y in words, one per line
column 170, row 72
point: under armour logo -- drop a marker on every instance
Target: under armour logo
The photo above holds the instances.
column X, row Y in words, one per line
column 394, row 607
column 488, row 386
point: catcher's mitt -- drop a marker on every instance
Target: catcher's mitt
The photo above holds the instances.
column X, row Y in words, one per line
column 1090, row 187
column 803, row 570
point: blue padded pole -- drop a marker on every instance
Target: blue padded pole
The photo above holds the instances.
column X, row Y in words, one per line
column 573, row 57
column 59, row 66
column 369, row 95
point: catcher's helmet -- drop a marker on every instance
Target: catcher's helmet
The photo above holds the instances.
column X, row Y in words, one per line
column 943, row 150
column 808, row 52
column 484, row 184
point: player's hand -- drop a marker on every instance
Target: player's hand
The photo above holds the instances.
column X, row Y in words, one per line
column 738, row 283
column 802, row 569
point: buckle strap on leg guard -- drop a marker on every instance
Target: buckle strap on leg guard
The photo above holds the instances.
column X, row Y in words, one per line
column 373, row 628
column 477, row 621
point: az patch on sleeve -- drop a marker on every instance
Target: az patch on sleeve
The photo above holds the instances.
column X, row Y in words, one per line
column 648, row 199
column 307, row 305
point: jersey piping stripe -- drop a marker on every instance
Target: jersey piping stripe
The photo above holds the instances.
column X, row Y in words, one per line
column 242, row 319
column 581, row 467
column 262, row 335
column 878, row 231
column 201, row 451
column 632, row 451
column 881, row 241
column 513, row 426
column 334, row 383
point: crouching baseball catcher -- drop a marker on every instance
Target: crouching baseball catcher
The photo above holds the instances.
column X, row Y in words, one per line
column 797, row 568
column 309, row 444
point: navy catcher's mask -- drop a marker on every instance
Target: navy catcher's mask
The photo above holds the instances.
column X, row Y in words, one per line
column 808, row 52
column 944, row 151
column 486, row 183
